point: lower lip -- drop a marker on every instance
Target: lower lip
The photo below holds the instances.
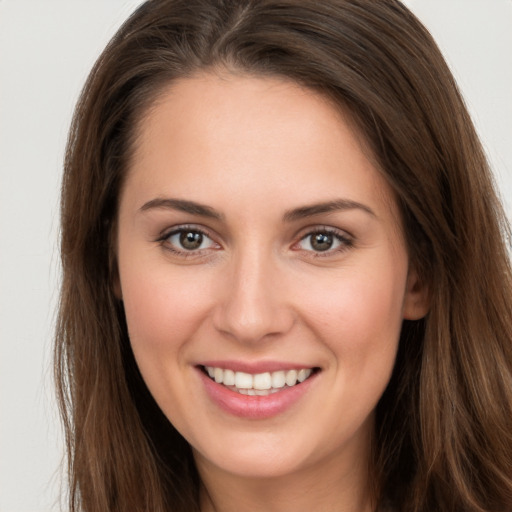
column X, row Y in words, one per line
column 255, row 407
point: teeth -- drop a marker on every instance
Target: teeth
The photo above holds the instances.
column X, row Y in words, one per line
column 302, row 375
column 291, row 377
column 229, row 378
column 243, row 380
column 278, row 380
column 260, row 384
column 262, row 381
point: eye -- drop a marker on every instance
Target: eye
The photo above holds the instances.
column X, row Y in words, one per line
column 323, row 241
column 188, row 240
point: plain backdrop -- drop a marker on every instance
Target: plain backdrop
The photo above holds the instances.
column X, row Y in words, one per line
column 46, row 50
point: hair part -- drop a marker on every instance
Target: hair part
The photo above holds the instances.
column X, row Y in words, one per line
column 443, row 438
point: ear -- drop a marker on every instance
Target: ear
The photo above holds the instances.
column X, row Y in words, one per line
column 417, row 297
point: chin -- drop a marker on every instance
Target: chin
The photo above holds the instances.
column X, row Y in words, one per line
column 256, row 456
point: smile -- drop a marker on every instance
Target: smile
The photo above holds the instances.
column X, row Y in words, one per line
column 256, row 391
column 259, row 384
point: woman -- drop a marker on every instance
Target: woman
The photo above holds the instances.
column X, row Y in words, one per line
column 285, row 277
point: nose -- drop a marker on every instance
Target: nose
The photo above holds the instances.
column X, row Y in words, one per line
column 253, row 304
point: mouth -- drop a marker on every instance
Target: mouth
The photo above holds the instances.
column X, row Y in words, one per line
column 258, row 384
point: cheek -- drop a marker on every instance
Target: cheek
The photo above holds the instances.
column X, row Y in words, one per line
column 359, row 316
column 164, row 311
column 162, row 308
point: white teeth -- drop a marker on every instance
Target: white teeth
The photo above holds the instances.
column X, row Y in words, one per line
column 243, row 380
column 260, row 384
column 229, row 378
column 278, row 380
column 291, row 377
column 303, row 374
column 262, row 381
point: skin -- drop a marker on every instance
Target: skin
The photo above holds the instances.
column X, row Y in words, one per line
column 253, row 150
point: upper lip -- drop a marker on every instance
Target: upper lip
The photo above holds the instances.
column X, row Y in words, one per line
column 255, row 367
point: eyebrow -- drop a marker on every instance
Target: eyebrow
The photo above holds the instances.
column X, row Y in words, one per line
column 327, row 207
column 183, row 206
column 290, row 216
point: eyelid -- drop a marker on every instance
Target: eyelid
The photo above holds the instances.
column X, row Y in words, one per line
column 323, row 228
column 345, row 238
column 168, row 232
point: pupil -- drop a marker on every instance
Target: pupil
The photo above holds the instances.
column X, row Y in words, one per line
column 190, row 240
column 321, row 241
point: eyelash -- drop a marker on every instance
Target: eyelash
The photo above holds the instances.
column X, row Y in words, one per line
column 164, row 241
column 345, row 242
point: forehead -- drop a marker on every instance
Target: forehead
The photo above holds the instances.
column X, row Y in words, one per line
column 224, row 108
column 218, row 135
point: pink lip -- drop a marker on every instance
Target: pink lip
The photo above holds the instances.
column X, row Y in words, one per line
column 254, row 407
column 254, row 367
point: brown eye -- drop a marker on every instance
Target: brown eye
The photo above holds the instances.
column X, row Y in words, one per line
column 325, row 241
column 321, row 241
column 191, row 240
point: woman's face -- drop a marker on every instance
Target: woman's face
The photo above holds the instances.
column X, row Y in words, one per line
column 259, row 244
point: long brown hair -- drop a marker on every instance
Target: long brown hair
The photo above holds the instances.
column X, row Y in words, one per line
column 443, row 438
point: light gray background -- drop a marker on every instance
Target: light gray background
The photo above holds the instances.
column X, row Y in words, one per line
column 46, row 50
